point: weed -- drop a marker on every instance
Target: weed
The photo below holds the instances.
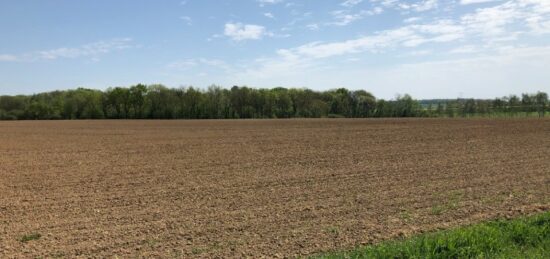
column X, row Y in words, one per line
column 333, row 230
column 30, row 237
column 437, row 210
column 405, row 215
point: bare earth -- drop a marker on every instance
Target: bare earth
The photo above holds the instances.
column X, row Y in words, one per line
column 274, row 188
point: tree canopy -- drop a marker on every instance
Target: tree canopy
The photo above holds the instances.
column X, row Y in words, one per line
column 160, row 102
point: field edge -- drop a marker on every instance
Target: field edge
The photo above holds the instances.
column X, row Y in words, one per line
column 527, row 236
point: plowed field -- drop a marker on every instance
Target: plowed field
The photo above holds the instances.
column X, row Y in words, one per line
column 253, row 188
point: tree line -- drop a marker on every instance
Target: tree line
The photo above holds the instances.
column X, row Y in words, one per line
column 160, row 102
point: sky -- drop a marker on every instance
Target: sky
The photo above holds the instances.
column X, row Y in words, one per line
column 426, row 48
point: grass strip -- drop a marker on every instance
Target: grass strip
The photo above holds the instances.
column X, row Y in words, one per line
column 526, row 237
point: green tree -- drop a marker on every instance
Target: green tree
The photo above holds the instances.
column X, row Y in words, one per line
column 514, row 104
column 527, row 101
column 162, row 102
column 283, row 103
column 137, row 100
column 364, row 103
column 541, row 100
column 341, row 103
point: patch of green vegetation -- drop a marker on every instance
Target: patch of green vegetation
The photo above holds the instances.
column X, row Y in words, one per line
column 452, row 203
column 177, row 253
column 58, row 254
column 437, row 210
column 527, row 237
column 405, row 215
column 333, row 230
column 30, row 237
column 196, row 250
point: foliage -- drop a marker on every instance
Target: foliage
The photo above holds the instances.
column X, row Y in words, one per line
column 520, row 238
column 527, row 105
column 160, row 102
column 30, row 237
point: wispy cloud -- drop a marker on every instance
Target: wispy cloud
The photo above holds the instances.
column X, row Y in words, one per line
column 241, row 32
column 465, row 49
column 409, row 6
column 351, row 3
column 188, row 20
column 419, row 6
column 345, row 17
column 407, row 36
column 187, row 64
column 8, row 58
column 510, row 19
column 267, row 2
column 467, row 2
column 487, row 26
column 313, row 26
column 92, row 50
column 412, row 19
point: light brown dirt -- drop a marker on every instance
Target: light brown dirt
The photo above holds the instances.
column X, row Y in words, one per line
column 273, row 188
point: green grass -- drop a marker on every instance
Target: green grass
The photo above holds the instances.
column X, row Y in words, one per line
column 27, row 238
column 527, row 237
column 493, row 115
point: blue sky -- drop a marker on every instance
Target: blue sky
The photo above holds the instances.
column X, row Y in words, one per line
column 427, row 48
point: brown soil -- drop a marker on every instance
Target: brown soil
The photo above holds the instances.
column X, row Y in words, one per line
column 254, row 188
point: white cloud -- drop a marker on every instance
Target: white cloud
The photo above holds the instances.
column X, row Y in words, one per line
column 313, row 26
column 269, row 15
column 187, row 64
column 412, row 19
column 489, row 22
column 465, row 49
column 417, row 53
column 290, row 4
column 91, row 50
column 351, row 3
column 187, row 20
column 240, row 32
column 266, row 2
column 467, row 2
column 538, row 24
column 492, row 21
column 510, row 19
column 344, row 17
column 299, row 17
column 408, row 36
column 419, row 6
column 408, row 6
column 182, row 65
column 8, row 58
column 538, row 18
column 287, row 63
column 88, row 50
